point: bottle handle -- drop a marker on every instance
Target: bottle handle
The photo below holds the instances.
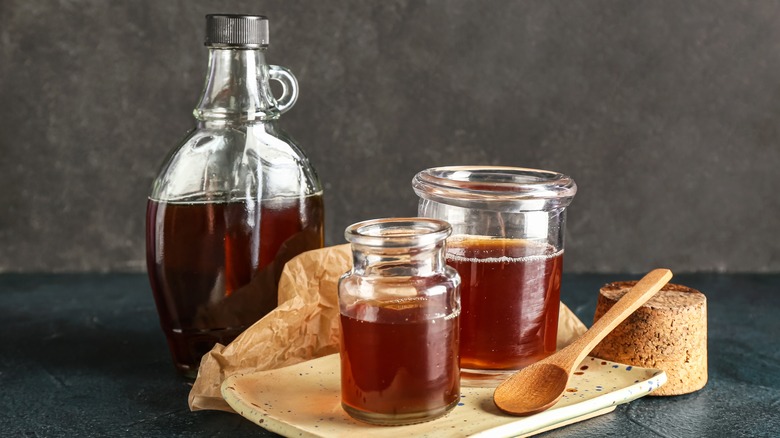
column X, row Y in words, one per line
column 289, row 87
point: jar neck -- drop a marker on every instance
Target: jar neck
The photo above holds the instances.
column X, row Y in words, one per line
column 386, row 262
column 237, row 87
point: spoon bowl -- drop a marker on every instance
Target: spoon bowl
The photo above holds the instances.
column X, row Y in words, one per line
column 539, row 386
column 538, row 397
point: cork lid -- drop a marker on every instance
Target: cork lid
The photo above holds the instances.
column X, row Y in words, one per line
column 670, row 296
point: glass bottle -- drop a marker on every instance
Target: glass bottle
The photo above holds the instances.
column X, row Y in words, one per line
column 233, row 202
column 507, row 244
column 399, row 323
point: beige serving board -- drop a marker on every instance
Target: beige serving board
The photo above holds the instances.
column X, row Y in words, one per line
column 304, row 400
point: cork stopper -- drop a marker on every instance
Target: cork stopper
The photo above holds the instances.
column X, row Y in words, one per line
column 669, row 332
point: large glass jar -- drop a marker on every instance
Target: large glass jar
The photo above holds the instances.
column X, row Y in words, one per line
column 399, row 323
column 507, row 244
column 233, row 202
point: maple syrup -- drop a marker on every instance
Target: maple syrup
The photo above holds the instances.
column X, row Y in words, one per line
column 414, row 371
column 510, row 294
column 214, row 269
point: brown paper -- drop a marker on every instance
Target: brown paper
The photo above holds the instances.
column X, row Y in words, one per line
column 303, row 327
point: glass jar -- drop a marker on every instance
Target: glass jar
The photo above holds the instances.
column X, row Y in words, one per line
column 399, row 323
column 507, row 244
column 233, row 202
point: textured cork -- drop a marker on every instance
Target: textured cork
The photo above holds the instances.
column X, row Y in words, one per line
column 669, row 332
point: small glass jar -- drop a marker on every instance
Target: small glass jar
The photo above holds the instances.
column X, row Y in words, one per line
column 507, row 245
column 399, row 323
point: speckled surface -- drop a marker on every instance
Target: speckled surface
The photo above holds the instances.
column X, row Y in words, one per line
column 667, row 114
column 83, row 355
column 305, row 400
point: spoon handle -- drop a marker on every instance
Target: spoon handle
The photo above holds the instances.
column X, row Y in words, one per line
column 638, row 295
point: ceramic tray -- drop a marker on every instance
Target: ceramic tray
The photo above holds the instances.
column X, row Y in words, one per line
column 304, row 400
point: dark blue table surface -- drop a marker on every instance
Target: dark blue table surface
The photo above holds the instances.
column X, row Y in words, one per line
column 83, row 355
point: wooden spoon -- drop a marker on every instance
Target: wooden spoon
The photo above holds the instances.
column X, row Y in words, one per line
column 539, row 386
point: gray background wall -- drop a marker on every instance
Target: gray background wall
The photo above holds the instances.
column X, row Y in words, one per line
column 667, row 114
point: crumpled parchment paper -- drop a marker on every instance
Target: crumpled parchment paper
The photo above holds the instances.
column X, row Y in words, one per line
column 304, row 326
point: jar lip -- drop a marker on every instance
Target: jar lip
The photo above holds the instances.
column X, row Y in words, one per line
column 502, row 187
column 398, row 232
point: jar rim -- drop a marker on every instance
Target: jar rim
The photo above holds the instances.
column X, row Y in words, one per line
column 398, row 232
column 496, row 187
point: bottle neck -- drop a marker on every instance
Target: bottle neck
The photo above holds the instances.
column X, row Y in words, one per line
column 412, row 262
column 237, row 87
